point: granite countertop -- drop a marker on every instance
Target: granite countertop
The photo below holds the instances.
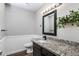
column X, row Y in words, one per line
column 60, row 47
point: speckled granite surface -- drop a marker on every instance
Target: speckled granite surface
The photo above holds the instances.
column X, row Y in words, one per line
column 60, row 47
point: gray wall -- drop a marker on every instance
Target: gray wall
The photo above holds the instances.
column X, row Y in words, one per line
column 2, row 14
column 19, row 21
column 1, row 24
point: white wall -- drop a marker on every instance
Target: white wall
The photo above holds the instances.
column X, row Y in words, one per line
column 1, row 14
column 69, row 33
column 2, row 8
column 2, row 24
column 19, row 21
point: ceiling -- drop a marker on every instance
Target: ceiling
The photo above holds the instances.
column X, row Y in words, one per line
column 29, row 6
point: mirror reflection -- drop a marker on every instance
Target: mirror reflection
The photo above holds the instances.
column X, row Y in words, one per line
column 49, row 24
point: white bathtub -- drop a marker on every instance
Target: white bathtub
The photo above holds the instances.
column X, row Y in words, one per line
column 13, row 44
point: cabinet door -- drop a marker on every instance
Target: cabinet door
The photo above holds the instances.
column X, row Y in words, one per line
column 36, row 53
column 36, row 50
column 45, row 52
column 40, row 51
column 50, row 54
column 36, row 46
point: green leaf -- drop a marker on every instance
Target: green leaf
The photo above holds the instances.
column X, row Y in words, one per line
column 72, row 18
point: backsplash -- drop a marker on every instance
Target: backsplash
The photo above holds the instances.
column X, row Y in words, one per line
column 64, row 41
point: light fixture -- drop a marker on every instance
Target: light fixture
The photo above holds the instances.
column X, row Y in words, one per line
column 51, row 8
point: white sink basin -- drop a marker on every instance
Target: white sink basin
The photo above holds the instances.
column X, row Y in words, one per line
column 42, row 41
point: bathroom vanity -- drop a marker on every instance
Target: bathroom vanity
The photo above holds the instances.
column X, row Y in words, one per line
column 41, row 51
column 55, row 47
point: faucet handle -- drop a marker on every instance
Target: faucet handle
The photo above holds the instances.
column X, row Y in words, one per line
column 44, row 37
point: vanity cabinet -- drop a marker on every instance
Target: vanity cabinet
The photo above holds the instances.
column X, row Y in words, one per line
column 47, row 53
column 36, row 50
column 40, row 51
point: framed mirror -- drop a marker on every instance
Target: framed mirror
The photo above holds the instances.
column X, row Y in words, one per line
column 49, row 23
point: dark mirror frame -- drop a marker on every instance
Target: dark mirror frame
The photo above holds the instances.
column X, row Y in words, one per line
column 55, row 24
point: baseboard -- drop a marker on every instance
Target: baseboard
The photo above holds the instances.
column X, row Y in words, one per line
column 15, row 52
column 20, row 53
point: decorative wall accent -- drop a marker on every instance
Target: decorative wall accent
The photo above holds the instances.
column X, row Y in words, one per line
column 71, row 19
